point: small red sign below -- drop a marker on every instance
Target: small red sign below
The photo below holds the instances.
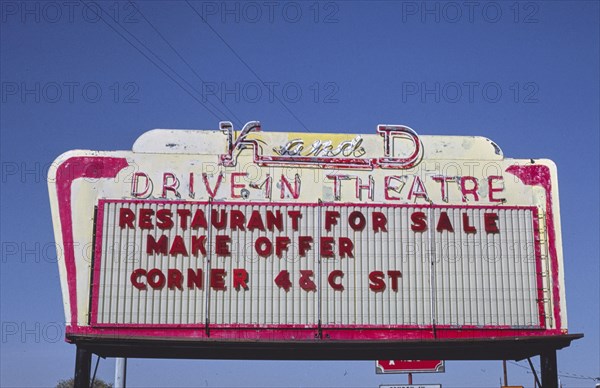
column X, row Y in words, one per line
column 410, row 366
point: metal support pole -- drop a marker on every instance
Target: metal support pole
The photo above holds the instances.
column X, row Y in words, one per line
column 505, row 374
column 120, row 372
column 83, row 366
column 410, row 379
column 549, row 369
column 536, row 380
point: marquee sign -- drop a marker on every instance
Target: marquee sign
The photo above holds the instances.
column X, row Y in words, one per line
column 250, row 235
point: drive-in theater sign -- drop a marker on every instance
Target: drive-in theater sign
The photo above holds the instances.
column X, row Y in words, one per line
column 240, row 239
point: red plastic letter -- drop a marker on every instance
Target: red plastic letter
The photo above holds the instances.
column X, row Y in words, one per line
column 467, row 227
column 135, row 275
column 295, row 216
column 419, row 222
column 304, row 244
column 217, row 279
column 444, row 223
column 377, row 283
column 379, row 222
column 256, row 221
column 218, row 220
column 332, row 280
column 237, row 219
column 357, row 221
column 306, row 283
column 183, row 215
column 198, row 244
column 240, row 278
column 346, row 247
column 126, row 218
column 394, row 275
column 331, row 217
column 174, row 278
column 194, row 278
column 221, row 245
column 274, row 220
column 490, row 222
column 163, row 219
column 283, row 280
column 156, row 279
column 145, row 221
column 281, row 245
column 154, row 247
column 178, row 247
column 199, row 220
column 263, row 246
column 327, row 246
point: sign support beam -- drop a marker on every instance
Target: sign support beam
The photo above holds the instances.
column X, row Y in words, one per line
column 517, row 348
column 549, row 369
column 535, row 376
column 83, row 366
column 120, row 372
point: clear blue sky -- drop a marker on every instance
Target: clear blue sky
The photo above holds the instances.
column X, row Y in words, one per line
column 525, row 74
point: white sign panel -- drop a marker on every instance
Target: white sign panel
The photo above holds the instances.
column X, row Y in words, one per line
column 171, row 255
